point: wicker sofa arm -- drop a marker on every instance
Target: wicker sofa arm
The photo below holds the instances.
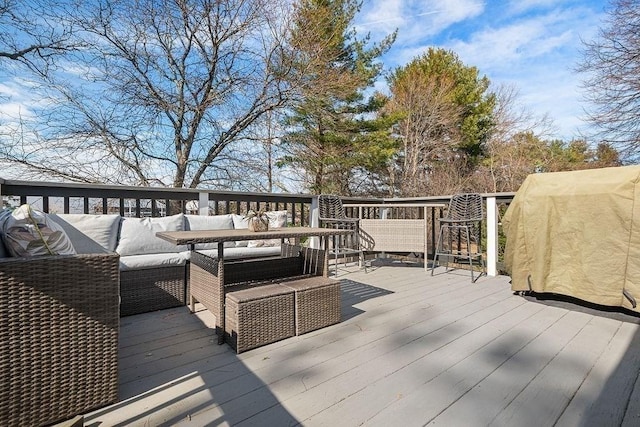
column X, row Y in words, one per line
column 59, row 319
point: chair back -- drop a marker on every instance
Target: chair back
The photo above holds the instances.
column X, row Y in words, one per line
column 465, row 207
column 330, row 207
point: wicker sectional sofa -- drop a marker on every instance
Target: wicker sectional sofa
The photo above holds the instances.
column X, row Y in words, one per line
column 59, row 323
column 153, row 272
column 59, row 315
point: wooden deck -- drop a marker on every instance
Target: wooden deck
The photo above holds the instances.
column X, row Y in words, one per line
column 412, row 350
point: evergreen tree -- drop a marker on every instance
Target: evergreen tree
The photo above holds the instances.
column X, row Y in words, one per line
column 334, row 135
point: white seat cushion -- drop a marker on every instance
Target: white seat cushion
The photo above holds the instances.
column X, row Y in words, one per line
column 140, row 262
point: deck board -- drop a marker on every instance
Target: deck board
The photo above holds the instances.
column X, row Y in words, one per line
column 547, row 395
column 412, row 349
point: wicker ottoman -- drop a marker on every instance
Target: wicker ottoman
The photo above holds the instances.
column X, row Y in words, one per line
column 259, row 315
column 317, row 303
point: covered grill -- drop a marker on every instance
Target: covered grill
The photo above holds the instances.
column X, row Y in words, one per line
column 577, row 234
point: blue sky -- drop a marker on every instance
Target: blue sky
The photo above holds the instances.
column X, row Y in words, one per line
column 531, row 44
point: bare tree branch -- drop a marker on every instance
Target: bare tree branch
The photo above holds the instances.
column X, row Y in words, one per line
column 611, row 64
column 160, row 90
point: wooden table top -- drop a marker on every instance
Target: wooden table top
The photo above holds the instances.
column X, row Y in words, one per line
column 212, row 236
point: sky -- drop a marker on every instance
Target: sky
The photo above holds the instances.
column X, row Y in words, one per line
column 532, row 45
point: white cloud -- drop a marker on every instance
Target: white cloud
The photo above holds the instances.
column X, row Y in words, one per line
column 414, row 19
column 538, row 54
column 454, row 11
column 521, row 6
column 527, row 39
column 13, row 111
column 381, row 16
column 16, row 101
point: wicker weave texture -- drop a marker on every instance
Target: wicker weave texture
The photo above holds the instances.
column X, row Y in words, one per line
column 465, row 207
column 259, row 316
column 330, row 207
column 394, row 235
column 461, row 228
column 58, row 337
column 152, row 289
column 317, row 303
column 206, row 285
column 210, row 279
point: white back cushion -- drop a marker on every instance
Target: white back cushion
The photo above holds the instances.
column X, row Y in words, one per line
column 213, row 222
column 138, row 235
column 240, row 223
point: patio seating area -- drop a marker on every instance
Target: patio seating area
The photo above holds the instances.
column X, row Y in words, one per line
column 411, row 350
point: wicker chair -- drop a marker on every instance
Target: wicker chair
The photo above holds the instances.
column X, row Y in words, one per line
column 59, row 324
column 461, row 228
column 331, row 214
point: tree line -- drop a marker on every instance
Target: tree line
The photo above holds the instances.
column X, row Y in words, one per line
column 267, row 95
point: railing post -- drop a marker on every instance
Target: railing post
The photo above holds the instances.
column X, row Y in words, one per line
column 492, row 237
column 314, row 242
column 203, row 203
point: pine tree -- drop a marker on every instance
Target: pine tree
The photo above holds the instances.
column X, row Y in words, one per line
column 335, row 135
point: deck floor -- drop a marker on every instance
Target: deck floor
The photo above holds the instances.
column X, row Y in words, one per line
column 411, row 350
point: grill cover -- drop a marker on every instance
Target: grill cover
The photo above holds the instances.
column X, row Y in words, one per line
column 577, row 234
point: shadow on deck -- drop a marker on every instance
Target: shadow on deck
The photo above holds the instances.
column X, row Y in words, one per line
column 411, row 350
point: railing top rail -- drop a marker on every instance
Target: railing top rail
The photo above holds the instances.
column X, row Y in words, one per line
column 504, row 196
column 28, row 188
column 42, row 188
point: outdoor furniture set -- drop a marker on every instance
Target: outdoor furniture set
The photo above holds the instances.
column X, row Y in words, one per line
column 259, row 301
column 153, row 272
column 59, row 315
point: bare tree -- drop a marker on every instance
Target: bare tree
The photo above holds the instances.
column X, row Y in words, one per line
column 253, row 163
column 611, row 63
column 427, row 129
column 508, row 153
column 159, row 92
column 29, row 35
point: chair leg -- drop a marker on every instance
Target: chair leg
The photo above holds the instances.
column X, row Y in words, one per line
column 469, row 254
column 335, row 262
column 450, row 234
column 483, row 267
column 437, row 250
